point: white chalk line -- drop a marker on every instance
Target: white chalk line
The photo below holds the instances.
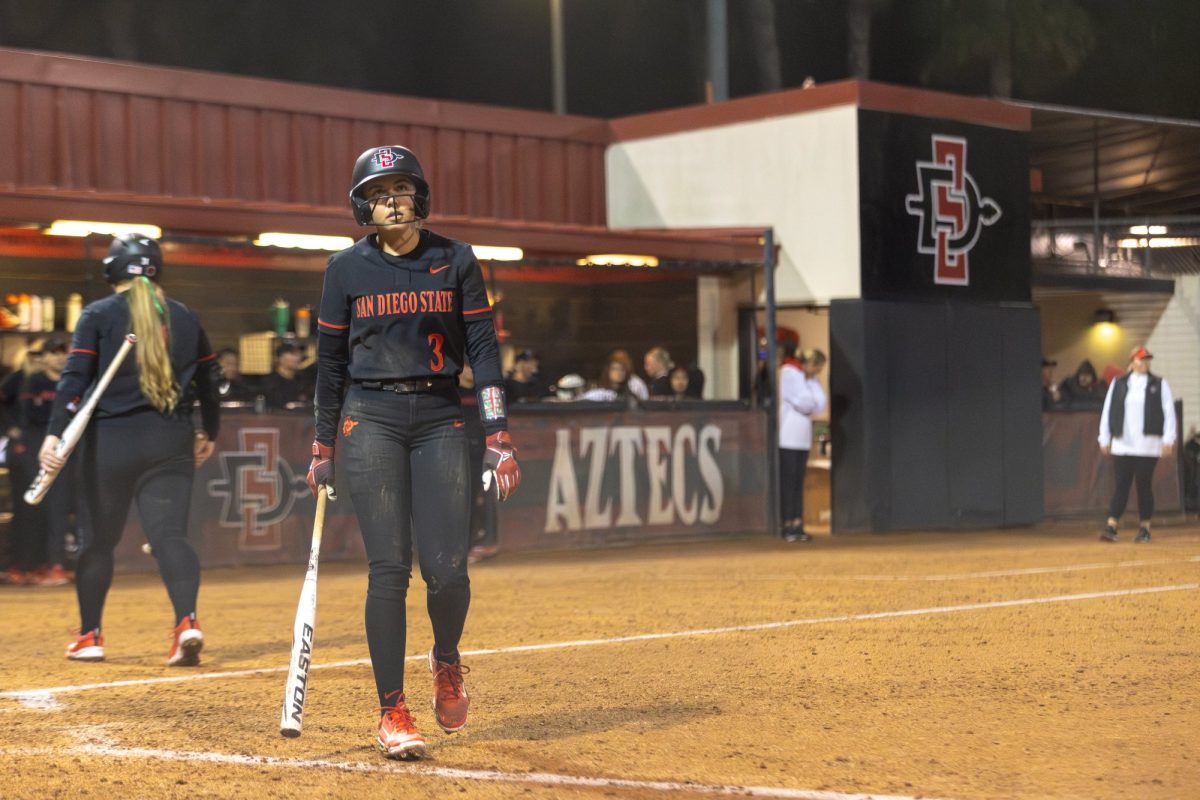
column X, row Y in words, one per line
column 954, row 576
column 1007, row 573
column 453, row 773
column 40, row 695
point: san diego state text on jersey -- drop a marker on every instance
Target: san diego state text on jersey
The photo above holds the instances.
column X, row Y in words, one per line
column 413, row 316
column 379, row 305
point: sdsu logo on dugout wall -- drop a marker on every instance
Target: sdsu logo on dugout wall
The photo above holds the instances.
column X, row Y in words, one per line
column 943, row 210
column 951, row 208
column 258, row 488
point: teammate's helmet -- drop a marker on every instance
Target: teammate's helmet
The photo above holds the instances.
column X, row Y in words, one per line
column 132, row 256
column 387, row 160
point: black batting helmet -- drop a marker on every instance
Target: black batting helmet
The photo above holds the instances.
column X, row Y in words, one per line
column 133, row 256
column 387, row 160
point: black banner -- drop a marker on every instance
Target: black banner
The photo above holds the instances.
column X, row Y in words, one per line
column 944, row 210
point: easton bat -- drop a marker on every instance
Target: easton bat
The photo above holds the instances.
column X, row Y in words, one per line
column 291, row 718
column 74, row 431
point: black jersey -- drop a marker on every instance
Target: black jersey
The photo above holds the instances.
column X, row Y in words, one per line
column 37, row 398
column 387, row 318
column 25, row 400
column 98, row 336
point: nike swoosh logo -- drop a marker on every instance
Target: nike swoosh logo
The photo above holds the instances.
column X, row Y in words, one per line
column 436, row 270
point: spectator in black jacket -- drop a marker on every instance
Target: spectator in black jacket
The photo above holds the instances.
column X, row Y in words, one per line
column 657, row 364
column 233, row 386
column 1083, row 391
column 1051, row 395
column 288, row 383
column 524, row 384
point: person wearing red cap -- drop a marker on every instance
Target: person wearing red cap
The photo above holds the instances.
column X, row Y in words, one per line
column 1137, row 427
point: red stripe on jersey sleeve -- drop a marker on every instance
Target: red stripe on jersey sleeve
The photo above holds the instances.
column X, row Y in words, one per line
column 331, row 325
column 478, row 311
column 82, row 350
column 208, row 357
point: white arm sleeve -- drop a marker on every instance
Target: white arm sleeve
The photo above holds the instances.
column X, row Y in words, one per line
column 1168, row 402
column 1105, row 437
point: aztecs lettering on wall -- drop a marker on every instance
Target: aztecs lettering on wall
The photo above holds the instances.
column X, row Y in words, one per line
column 385, row 304
column 631, row 476
column 944, row 210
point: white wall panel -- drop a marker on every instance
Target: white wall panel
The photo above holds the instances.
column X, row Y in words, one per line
column 1174, row 344
column 798, row 174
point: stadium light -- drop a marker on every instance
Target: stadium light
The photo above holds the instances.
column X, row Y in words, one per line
column 79, row 227
column 488, row 253
column 303, row 241
column 617, row 260
column 1161, row 241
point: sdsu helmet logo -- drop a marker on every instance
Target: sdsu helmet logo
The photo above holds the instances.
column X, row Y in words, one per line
column 386, row 157
column 951, row 209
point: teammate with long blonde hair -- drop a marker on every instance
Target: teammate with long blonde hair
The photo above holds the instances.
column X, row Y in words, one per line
column 142, row 444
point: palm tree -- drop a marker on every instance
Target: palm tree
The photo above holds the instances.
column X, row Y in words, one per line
column 858, row 28
column 765, row 42
column 1046, row 40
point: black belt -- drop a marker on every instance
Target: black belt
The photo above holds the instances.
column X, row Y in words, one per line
column 410, row 386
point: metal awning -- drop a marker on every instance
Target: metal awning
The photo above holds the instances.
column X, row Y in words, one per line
column 1136, row 166
column 548, row 248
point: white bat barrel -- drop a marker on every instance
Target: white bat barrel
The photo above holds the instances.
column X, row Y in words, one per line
column 74, row 432
column 295, row 690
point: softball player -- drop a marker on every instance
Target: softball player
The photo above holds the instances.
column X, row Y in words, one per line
column 141, row 444
column 401, row 312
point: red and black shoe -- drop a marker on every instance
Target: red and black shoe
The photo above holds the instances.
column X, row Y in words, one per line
column 187, row 643
column 450, row 700
column 398, row 735
column 88, row 647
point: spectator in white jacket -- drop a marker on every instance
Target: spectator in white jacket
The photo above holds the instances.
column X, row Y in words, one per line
column 800, row 397
column 1137, row 427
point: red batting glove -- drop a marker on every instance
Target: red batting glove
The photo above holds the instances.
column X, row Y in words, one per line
column 500, row 465
column 320, row 471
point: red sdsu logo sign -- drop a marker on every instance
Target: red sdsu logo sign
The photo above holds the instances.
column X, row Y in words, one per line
column 258, row 487
column 386, row 158
column 952, row 210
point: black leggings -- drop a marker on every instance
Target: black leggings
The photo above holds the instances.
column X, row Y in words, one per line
column 147, row 457
column 1127, row 468
column 404, row 462
column 792, row 465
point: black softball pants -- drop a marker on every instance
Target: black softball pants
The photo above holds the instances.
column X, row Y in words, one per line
column 148, row 458
column 792, row 466
column 404, row 462
column 1127, row 470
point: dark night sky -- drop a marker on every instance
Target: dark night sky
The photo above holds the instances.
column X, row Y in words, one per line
column 623, row 56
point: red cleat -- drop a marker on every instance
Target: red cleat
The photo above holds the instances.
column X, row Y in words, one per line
column 450, row 700
column 398, row 735
column 53, row 576
column 188, row 641
column 88, row 647
column 15, row 576
column 481, row 552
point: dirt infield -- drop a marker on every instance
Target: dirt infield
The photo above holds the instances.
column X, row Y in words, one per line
column 1037, row 663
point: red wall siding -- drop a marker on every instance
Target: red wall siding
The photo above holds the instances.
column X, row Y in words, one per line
column 117, row 129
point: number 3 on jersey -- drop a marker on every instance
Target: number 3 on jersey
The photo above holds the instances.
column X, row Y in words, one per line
column 435, row 342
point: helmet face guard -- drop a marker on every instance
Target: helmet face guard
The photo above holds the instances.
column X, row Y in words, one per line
column 387, row 160
column 132, row 256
